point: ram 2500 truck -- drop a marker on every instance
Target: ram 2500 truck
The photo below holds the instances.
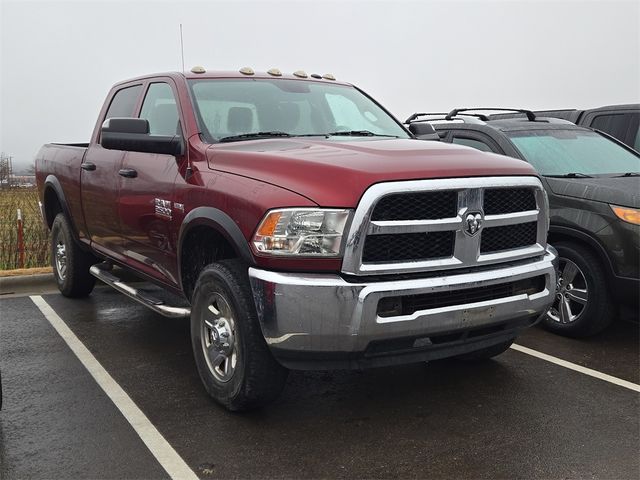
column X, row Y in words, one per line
column 298, row 224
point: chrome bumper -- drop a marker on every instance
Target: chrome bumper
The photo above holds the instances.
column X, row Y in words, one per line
column 324, row 313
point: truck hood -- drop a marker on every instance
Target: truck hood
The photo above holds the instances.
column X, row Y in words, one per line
column 623, row 191
column 335, row 173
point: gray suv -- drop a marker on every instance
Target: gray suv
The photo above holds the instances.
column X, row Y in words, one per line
column 593, row 184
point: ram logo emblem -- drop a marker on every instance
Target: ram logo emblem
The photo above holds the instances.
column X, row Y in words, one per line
column 473, row 223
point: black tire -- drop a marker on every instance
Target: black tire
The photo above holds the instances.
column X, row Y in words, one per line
column 486, row 353
column 599, row 310
column 256, row 378
column 74, row 280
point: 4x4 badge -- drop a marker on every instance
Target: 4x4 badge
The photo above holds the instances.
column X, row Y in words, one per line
column 473, row 222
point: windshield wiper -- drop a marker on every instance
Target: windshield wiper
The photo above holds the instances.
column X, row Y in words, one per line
column 628, row 174
column 570, row 175
column 247, row 136
column 358, row 133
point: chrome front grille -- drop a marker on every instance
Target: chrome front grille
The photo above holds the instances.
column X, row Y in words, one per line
column 407, row 246
column 508, row 200
column 426, row 225
column 507, row 237
column 416, row 206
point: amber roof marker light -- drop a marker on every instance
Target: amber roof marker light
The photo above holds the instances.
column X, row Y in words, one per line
column 198, row 69
column 247, row 71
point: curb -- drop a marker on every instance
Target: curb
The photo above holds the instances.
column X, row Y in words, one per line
column 27, row 284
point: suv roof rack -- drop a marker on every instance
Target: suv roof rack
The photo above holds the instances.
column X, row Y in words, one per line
column 442, row 117
column 424, row 114
column 530, row 115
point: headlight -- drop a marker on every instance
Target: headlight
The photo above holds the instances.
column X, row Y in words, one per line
column 626, row 214
column 301, row 231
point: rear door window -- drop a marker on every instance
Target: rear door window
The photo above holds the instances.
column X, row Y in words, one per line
column 124, row 102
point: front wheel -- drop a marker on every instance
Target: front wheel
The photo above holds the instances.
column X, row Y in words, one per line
column 233, row 360
column 70, row 263
column 583, row 304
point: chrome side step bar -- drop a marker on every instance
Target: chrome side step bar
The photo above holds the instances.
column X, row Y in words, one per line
column 101, row 272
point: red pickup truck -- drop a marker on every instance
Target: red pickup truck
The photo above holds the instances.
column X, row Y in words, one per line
column 298, row 224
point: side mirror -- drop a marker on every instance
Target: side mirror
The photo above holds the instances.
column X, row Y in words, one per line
column 132, row 135
column 423, row 131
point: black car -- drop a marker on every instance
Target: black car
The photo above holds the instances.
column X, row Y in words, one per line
column 619, row 121
column 593, row 184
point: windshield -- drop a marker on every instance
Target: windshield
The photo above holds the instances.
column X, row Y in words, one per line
column 580, row 152
column 229, row 109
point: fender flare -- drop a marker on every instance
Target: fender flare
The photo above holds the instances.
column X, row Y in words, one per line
column 222, row 223
column 586, row 239
column 51, row 182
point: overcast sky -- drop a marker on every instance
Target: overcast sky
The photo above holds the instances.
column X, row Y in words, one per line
column 58, row 59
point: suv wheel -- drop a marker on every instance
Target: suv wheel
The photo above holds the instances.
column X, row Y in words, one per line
column 583, row 304
column 233, row 360
column 70, row 263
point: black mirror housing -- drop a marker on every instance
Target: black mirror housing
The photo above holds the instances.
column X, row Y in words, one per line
column 132, row 134
column 424, row 131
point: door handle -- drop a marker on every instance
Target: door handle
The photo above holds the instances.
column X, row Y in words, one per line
column 128, row 173
column 88, row 166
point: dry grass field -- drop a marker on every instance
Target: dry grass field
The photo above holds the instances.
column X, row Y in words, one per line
column 36, row 236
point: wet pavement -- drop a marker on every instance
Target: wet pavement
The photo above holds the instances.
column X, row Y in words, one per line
column 513, row 417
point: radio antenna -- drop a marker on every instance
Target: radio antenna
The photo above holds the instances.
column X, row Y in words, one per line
column 181, row 48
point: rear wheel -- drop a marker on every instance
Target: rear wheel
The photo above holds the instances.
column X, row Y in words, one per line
column 233, row 360
column 70, row 263
column 583, row 304
column 486, row 353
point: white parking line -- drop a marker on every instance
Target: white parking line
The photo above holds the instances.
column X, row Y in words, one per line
column 577, row 368
column 152, row 438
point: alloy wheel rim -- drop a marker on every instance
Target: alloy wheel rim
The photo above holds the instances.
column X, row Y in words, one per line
column 572, row 294
column 61, row 259
column 218, row 338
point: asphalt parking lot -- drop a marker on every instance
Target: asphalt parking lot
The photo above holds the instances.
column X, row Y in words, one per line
column 518, row 416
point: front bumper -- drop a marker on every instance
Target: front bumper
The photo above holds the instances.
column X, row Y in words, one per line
column 324, row 321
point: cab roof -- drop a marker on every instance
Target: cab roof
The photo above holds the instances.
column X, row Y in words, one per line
column 215, row 74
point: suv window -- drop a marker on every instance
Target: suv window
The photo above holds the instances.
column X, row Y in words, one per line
column 614, row 124
column 124, row 102
column 471, row 142
column 160, row 109
column 623, row 126
column 560, row 152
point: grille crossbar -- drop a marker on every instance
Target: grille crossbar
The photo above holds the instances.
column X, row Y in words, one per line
column 410, row 304
column 421, row 225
